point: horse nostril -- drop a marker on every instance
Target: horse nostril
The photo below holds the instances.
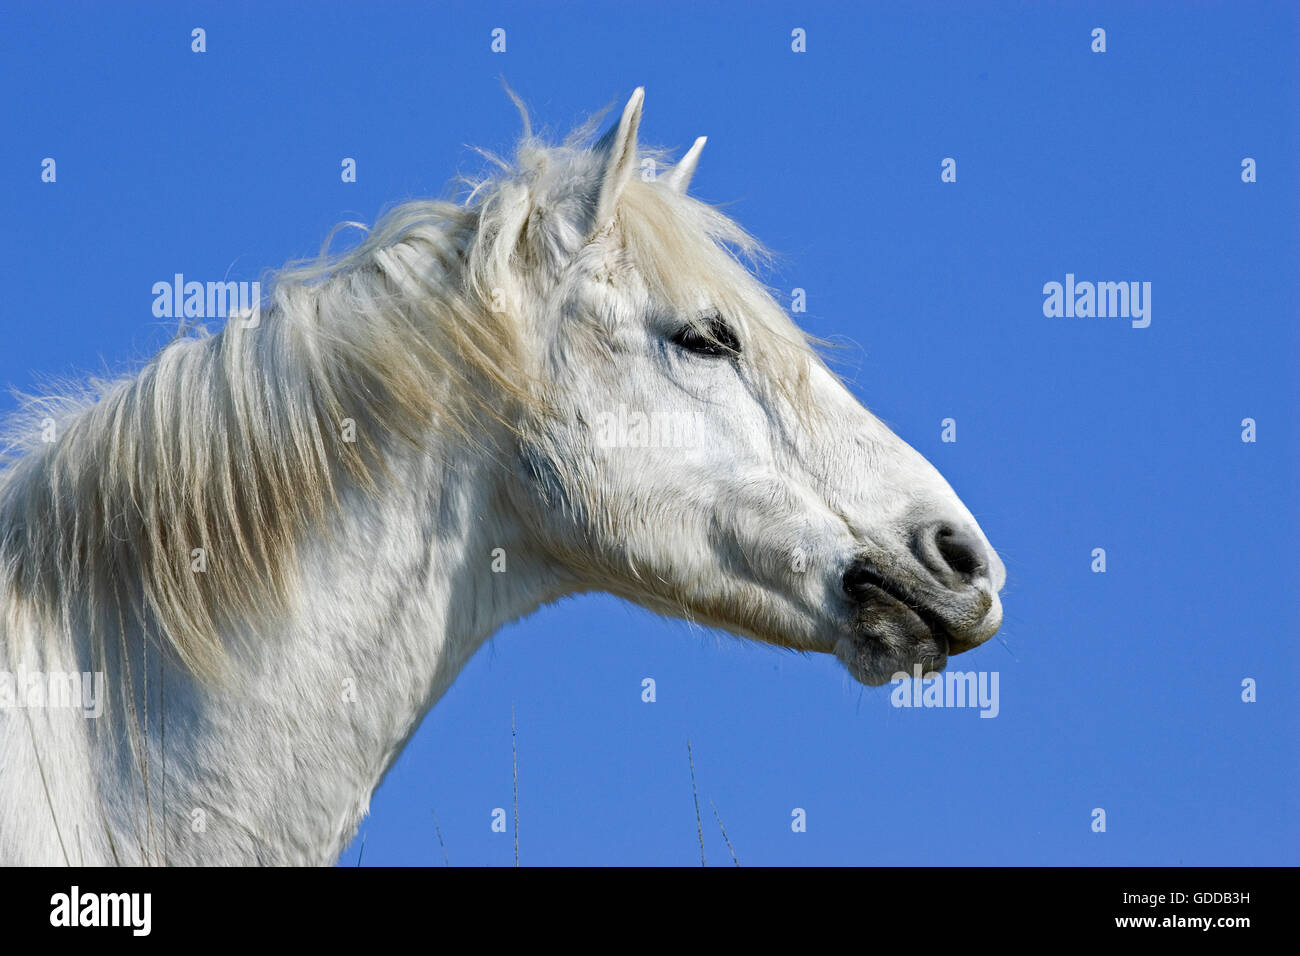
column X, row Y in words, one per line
column 960, row 550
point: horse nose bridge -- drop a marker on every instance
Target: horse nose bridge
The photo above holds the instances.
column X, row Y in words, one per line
column 896, row 498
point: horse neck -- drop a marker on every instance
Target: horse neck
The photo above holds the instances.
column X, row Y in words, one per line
column 278, row 763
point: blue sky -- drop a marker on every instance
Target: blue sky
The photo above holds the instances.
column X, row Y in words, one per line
column 1119, row 690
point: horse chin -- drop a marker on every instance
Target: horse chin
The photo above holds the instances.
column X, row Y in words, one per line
column 881, row 647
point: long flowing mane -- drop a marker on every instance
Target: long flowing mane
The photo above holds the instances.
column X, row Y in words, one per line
column 238, row 443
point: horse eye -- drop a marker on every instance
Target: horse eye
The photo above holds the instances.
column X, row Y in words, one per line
column 716, row 339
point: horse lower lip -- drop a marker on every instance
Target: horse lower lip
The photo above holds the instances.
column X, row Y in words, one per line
column 883, row 589
column 938, row 630
column 935, row 630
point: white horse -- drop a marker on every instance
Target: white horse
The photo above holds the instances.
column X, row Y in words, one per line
column 278, row 545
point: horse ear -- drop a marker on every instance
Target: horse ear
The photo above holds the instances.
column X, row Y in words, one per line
column 619, row 147
column 679, row 177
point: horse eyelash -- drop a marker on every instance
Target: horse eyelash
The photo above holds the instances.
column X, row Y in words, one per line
column 713, row 337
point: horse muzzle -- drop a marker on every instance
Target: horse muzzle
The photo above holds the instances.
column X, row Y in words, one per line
column 938, row 599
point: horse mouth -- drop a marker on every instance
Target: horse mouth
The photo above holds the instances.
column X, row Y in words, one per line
column 892, row 634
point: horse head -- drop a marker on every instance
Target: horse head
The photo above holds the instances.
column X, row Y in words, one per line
column 697, row 456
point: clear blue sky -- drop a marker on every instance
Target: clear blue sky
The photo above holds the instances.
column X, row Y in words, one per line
column 1119, row 690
